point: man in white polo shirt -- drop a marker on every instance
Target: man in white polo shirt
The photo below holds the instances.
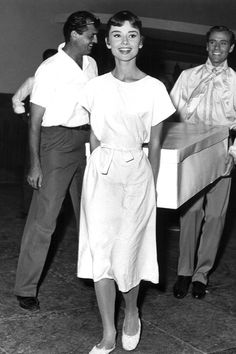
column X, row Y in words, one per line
column 58, row 130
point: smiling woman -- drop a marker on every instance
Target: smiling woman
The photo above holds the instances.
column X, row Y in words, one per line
column 124, row 41
column 118, row 207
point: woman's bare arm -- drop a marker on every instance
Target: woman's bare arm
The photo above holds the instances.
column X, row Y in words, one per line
column 154, row 149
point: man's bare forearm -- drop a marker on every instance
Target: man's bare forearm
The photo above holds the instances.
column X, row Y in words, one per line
column 35, row 134
column 35, row 172
column 34, row 144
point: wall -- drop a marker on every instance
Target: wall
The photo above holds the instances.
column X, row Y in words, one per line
column 27, row 28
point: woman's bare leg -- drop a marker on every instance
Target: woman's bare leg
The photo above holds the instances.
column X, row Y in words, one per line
column 106, row 295
column 131, row 324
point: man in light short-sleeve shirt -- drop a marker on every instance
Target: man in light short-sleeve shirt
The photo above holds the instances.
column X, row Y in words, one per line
column 58, row 130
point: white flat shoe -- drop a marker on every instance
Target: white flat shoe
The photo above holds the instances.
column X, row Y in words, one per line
column 103, row 350
column 131, row 342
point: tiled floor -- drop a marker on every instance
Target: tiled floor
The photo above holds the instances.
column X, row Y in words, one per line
column 68, row 321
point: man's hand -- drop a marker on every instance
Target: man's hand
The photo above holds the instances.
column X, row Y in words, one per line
column 35, row 177
column 229, row 164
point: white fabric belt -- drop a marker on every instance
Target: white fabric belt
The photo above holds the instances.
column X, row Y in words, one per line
column 107, row 153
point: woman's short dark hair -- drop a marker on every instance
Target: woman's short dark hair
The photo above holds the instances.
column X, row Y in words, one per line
column 120, row 17
column 221, row 29
column 78, row 22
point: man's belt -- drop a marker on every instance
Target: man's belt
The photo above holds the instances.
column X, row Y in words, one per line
column 85, row 127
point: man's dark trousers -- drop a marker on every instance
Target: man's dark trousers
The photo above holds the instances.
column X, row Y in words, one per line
column 63, row 160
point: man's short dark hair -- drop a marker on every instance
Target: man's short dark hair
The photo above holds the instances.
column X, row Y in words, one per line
column 221, row 29
column 78, row 22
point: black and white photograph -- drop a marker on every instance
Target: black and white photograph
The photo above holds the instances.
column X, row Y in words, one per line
column 118, row 177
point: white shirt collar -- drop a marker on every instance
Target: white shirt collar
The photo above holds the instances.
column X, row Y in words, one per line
column 85, row 57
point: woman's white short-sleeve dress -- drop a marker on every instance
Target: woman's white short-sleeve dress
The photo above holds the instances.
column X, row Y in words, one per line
column 117, row 238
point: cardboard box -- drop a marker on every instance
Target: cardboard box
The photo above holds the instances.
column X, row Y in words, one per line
column 192, row 157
